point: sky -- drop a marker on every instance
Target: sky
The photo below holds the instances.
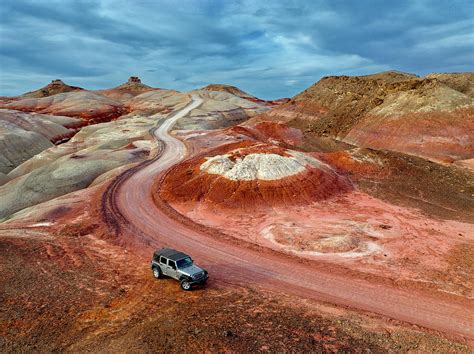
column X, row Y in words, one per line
column 270, row 49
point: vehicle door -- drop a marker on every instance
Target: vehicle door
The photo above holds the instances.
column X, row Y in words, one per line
column 173, row 269
column 165, row 268
column 156, row 260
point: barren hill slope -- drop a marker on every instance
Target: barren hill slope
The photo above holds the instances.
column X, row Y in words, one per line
column 462, row 82
column 430, row 117
column 228, row 88
column 40, row 171
column 242, row 94
column 23, row 135
column 55, row 87
column 127, row 90
column 83, row 104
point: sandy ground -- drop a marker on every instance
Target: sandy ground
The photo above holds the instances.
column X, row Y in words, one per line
column 86, row 293
column 413, row 234
column 355, row 230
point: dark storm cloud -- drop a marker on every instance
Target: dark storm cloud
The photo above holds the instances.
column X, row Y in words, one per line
column 270, row 49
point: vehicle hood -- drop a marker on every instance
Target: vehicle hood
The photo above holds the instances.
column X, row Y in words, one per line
column 191, row 270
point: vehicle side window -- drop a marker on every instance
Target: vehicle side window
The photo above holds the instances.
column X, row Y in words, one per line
column 163, row 260
column 172, row 264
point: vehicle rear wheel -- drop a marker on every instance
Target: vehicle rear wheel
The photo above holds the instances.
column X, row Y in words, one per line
column 157, row 272
column 185, row 285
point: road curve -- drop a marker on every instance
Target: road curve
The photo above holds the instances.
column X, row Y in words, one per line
column 228, row 262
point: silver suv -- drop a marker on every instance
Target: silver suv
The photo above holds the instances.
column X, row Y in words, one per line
column 179, row 266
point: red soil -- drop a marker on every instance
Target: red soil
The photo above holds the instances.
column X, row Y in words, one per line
column 91, row 108
column 98, row 115
column 187, row 183
column 107, row 300
column 444, row 136
column 345, row 163
column 272, row 132
column 368, row 220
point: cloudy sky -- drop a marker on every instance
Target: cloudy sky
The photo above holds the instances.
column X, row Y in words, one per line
column 268, row 48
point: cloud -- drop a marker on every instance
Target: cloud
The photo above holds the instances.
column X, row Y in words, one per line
column 270, row 49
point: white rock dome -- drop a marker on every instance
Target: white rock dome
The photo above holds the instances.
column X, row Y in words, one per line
column 259, row 166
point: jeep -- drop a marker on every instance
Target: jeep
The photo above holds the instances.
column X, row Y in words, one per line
column 177, row 265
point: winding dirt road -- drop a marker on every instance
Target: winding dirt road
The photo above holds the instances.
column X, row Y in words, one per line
column 229, row 262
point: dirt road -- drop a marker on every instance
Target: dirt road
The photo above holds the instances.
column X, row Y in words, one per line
column 229, row 262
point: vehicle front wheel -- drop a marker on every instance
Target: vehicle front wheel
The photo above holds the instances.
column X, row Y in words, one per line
column 185, row 285
column 157, row 272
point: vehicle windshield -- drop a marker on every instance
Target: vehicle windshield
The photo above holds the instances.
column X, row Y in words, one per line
column 185, row 262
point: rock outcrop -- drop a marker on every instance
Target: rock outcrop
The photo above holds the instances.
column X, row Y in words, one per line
column 155, row 101
column 133, row 87
column 247, row 176
column 55, row 87
column 462, row 82
column 94, row 151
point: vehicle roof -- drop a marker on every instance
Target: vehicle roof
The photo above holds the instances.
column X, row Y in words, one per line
column 171, row 254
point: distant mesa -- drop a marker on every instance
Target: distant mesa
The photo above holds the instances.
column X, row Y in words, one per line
column 133, row 86
column 127, row 91
column 134, row 79
column 57, row 83
column 134, row 82
column 53, row 88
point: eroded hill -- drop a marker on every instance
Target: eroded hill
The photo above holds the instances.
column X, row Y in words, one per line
column 430, row 117
column 275, row 203
column 32, row 166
